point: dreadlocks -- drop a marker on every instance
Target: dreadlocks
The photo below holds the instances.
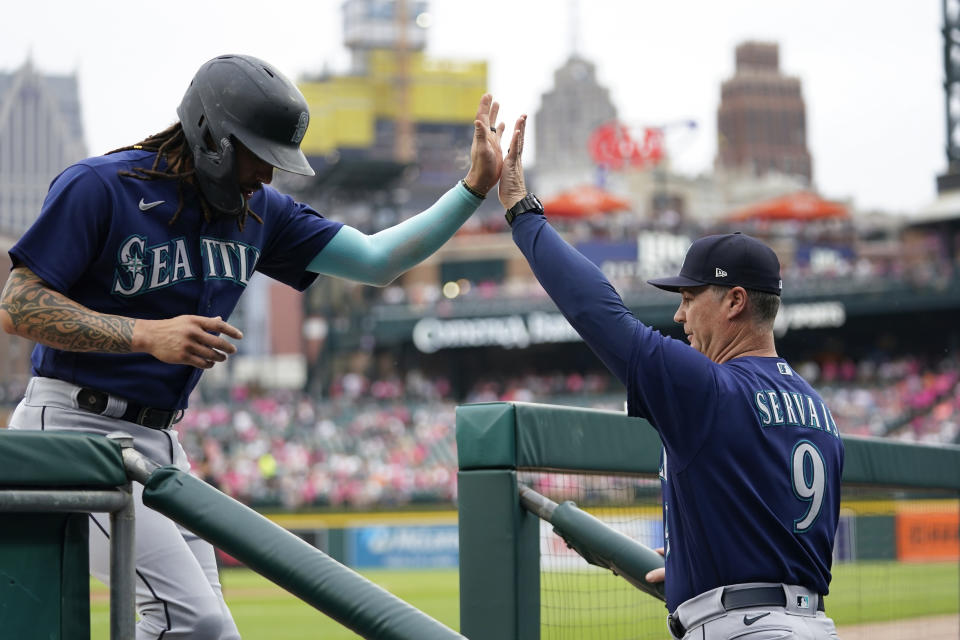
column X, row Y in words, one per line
column 172, row 145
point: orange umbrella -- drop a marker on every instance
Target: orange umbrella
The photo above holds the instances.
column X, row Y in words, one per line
column 582, row 202
column 803, row 205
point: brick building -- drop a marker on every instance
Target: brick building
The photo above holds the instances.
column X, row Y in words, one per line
column 761, row 121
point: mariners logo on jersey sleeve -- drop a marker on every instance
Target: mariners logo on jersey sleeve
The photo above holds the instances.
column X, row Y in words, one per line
column 142, row 268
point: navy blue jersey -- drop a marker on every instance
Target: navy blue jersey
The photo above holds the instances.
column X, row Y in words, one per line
column 106, row 242
column 751, row 459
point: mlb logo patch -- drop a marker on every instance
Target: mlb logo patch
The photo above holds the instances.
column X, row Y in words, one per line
column 803, row 602
column 784, row 368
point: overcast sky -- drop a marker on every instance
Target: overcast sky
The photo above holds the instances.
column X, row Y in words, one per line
column 871, row 70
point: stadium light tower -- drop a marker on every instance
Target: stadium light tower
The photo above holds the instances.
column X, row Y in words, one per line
column 951, row 89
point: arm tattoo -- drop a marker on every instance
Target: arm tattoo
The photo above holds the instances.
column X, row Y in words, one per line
column 51, row 318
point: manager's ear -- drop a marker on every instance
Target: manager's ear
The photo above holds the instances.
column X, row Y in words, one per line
column 735, row 303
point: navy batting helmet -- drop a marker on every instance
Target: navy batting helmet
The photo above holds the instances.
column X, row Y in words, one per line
column 241, row 97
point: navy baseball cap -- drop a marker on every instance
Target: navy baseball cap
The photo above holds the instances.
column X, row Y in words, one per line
column 729, row 260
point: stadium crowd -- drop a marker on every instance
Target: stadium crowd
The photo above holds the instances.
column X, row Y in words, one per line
column 391, row 442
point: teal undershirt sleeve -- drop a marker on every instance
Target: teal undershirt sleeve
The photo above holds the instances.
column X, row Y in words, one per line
column 378, row 259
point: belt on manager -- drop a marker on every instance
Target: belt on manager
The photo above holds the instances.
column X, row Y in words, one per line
column 97, row 402
column 744, row 597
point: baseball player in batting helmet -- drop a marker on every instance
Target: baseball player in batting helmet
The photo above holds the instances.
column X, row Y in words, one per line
column 751, row 459
column 129, row 275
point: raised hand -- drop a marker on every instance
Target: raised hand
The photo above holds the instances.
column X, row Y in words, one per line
column 486, row 159
column 192, row 340
column 512, row 186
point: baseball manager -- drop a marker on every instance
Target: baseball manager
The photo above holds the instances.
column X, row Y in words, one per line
column 751, row 459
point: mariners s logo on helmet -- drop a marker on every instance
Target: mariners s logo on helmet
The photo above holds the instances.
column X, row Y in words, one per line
column 301, row 128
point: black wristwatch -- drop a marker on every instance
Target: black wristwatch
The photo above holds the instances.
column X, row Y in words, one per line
column 529, row 203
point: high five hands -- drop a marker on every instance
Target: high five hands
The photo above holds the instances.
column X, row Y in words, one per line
column 486, row 159
column 487, row 165
column 512, row 187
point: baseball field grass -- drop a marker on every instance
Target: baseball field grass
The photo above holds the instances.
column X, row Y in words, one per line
column 860, row 593
column 263, row 611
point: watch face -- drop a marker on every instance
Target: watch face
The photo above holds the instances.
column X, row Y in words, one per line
column 527, row 203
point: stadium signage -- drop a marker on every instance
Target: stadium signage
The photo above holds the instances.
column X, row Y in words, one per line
column 814, row 315
column 510, row 332
column 653, row 254
column 408, row 546
column 519, row 332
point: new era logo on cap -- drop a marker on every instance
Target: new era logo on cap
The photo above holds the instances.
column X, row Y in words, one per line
column 746, row 261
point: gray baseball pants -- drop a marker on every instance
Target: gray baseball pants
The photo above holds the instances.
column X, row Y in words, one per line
column 178, row 591
column 705, row 617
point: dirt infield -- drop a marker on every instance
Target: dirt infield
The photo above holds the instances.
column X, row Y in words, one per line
column 933, row 628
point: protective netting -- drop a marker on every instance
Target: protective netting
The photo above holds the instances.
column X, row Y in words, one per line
column 896, row 569
column 578, row 600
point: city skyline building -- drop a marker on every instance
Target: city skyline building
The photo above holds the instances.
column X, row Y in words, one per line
column 568, row 115
column 753, row 104
column 41, row 132
column 761, row 120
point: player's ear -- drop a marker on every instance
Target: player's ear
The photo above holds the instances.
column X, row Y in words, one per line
column 736, row 301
